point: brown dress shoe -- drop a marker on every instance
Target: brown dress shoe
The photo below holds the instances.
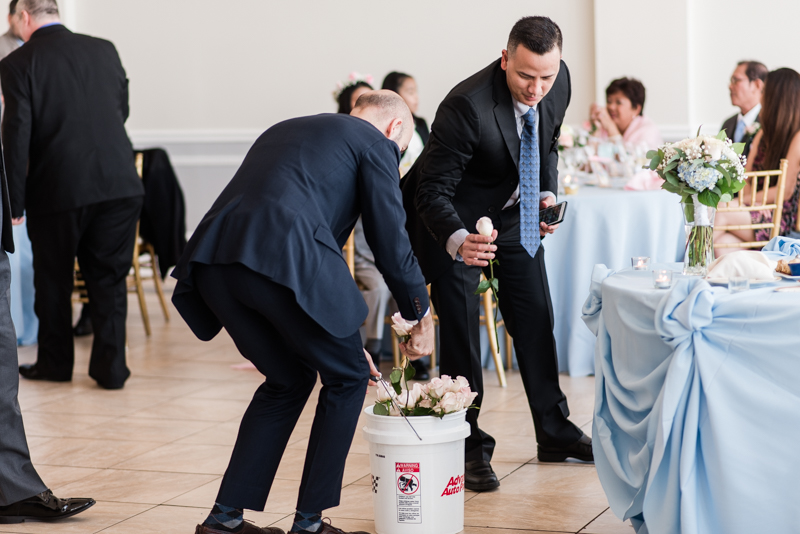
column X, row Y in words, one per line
column 327, row 528
column 248, row 528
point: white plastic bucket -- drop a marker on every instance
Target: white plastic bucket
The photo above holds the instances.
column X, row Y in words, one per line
column 417, row 486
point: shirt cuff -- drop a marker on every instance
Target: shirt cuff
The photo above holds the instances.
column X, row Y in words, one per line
column 544, row 194
column 454, row 243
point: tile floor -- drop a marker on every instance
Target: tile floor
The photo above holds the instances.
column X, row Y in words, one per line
column 152, row 454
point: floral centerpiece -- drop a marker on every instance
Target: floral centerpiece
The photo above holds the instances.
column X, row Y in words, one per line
column 439, row 397
column 704, row 171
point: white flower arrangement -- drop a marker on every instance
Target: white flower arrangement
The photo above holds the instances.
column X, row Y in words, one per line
column 439, row 397
column 710, row 167
column 751, row 130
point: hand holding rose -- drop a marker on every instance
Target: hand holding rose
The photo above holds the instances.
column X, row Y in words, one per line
column 477, row 248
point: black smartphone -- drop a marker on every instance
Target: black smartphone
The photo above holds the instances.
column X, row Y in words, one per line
column 554, row 214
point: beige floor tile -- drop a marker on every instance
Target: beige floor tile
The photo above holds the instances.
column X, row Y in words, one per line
column 239, row 390
column 97, row 518
column 100, row 402
column 164, row 387
column 145, row 487
column 181, row 458
column 608, row 523
column 176, row 520
column 62, row 424
column 141, row 429
column 201, row 497
column 219, row 434
column 80, row 452
column 186, row 408
column 356, row 503
column 554, row 497
column 56, row 477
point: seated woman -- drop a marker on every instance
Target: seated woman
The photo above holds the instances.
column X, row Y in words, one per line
column 405, row 86
column 347, row 93
column 778, row 138
column 622, row 118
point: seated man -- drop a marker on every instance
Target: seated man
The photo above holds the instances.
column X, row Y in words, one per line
column 746, row 86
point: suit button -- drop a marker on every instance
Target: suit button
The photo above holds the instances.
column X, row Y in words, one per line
column 491, row 209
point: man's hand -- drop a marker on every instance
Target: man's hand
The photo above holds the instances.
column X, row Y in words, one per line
column 544, row 229
column 17, row 221
column 421, row 342
column 372, row 370
column 476, row 249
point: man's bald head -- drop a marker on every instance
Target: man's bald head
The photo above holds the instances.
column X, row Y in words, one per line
column 388, row 112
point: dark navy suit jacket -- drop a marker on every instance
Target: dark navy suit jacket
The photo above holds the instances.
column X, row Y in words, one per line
column 288, row 212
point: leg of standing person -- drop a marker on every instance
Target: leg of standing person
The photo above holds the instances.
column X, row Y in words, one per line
column 524, row 298
column 453, row 297
column 105, row 252
column 289, row 348
column 18, row 478
column 377, row 296
column 54, row 241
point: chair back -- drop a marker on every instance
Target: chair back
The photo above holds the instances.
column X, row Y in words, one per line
column 349, row 252
column 757, row 201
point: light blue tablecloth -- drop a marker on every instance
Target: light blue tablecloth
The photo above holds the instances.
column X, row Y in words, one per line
column 22, row 293
column 697, row 407
column 603, row 226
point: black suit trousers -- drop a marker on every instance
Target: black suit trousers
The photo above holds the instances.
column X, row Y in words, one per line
column 102, row 236
column 271, row 330
column 524, row 298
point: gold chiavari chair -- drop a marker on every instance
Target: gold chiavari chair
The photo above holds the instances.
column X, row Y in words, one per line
column 758, row 201
column 145, row 267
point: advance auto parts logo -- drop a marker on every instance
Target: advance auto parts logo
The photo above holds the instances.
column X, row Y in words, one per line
column 456, row 485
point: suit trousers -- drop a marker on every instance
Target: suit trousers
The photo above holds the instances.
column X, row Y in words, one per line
column 102, row 237
column 289, row 348
column 524, row 299
column 18, row 478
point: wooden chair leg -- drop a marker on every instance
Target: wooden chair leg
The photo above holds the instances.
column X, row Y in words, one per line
column 137, row 276
column 489, row 315
column 157, row 280
column 395, row 350
column 433, row 352
column 509, row 351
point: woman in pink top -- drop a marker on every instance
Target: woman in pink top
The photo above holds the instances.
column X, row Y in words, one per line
column 622, row 115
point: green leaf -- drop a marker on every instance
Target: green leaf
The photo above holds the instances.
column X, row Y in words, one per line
column 738, row 148
column 483, row 287
column 409, row 373
column 708, row 198
column 722, row 135
column 651, row 154
column 397, row 388
column 725, row 197
column 654, row 163
column 671, row 166
column 396, row 375
column 380, row 409
column 667, row 186
column 672, row 178
column 495, row 285
column 422, row 411
column 717, row 191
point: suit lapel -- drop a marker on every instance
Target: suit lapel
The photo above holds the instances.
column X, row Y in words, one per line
column 504, row 114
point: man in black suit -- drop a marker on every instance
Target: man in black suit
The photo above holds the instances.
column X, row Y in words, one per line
column 746, row 87
column 71, row 171
column 493, row 152
column 266, row 264
column 23, row 495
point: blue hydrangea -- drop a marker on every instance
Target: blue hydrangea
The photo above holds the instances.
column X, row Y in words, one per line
column 698, row 176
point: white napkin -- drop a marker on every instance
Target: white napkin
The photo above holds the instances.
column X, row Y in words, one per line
column 750, row 264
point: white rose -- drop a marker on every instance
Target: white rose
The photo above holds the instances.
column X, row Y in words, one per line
column 384, row 395
column 438, row 387
column 412, row 397
column 462, row 382
column 714, row 148
column 448, row 404
column 425, row 403
column 400, row 326
column 466, row 397
column 484, row 226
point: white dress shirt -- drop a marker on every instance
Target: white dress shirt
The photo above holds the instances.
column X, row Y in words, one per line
column 458, row 237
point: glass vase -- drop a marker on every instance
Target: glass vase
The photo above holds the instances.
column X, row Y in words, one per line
column 699, row 221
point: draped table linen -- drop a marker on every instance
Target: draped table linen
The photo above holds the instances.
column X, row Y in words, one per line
column 697, row 404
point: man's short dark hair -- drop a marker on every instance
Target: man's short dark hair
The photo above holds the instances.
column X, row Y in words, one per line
column 755, row 70
column 632, row 88
column 12, row 7
column 538, row 34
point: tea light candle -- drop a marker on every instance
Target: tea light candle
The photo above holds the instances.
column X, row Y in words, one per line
column 640, row 263
column 662, row 279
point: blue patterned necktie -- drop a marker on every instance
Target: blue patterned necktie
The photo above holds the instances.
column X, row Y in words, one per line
column 529, row 184
column 738, row 134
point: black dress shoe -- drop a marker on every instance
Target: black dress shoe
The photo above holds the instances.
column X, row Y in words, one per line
column 43, row 507
column 421, row 370
column 479, row 476
column 247, row 528
column 580, row 450
column 31, row 371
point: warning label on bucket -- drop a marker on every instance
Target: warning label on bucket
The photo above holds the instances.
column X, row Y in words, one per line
column 409, row 498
